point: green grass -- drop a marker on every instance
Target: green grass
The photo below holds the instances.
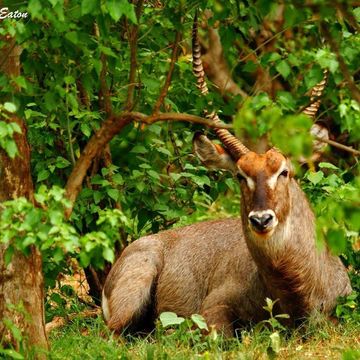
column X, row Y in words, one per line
column 90, row 339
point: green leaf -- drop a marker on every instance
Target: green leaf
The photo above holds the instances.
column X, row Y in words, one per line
column 314, row 76
column 11, row 148
column 62, row 163
column 58, row 255
column 12, row 354
column 35, row 8
column 139, row 149
column 352, row 354
column 114, row 194
column 117, row 8
column 357, row 13
column 15, row 127
column 170, row 319
column 293, row 60
column 84, row 259
column 153, row 174
column 88, row 6
column 43, row 175
column 72, row 36
column 282, row 316
column 8, row 254
column 336, row 240
column 108, row 254
column 16, row 332
column 327, row 165
column 315, row 177
column 107, row 51
column 118, row 179
column 164, row 151
column 286, row 100
column 69, row 79
column 283, row 68
column 29, row 240
column 140, row 186
column 3, row 129
column 10, row 107
column 269, row 304
column 250, row 66
column 327, row 60
column 85, row 129
column 114, row 9
column 275, row 341
column 97, row 196
column 199, row 321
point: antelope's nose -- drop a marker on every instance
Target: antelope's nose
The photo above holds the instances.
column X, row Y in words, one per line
column 261, row 221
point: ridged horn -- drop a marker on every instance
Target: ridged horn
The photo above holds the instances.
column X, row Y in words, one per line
column 233, row 144
column 198, row 68
column 315, row 94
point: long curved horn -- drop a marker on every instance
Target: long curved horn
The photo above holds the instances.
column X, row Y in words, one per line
column 233, row 144
column 315, row 94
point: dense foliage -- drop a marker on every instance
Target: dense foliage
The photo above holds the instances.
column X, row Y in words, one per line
column 148, row 179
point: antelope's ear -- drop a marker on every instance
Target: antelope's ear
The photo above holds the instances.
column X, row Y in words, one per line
column 212, row 155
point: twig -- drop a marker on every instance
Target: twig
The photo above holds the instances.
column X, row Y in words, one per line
column 133, row 32
column 72, row 153
column 179, row 117
column 176, row 149
column 348, row 15
column 165, row 88
column 83, row 96
column 338, row 145
column 104, row 93
column 334, row 46
column 7, row 55
column 265, row 42
column 107, row 160
column 62, row 321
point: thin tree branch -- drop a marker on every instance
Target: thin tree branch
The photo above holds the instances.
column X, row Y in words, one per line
column 133, row 32
column 114, row 124
column 7, row 55
column 348, row 15
column 72, row 153
column 59, row 321
column 334, row 46
column 179, row 117
column 83, row 96
column 110, row 128
column 176, row 148
column 104, row 93
column 338, row 145
column 167, row 83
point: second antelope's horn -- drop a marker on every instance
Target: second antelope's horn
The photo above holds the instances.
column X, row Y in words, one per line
column 233, row 144
column 316, row 92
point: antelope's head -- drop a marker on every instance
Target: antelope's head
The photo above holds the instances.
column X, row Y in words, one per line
column 264, row 180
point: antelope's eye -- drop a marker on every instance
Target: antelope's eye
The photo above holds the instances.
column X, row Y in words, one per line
column 239, row 177
column 284, row 173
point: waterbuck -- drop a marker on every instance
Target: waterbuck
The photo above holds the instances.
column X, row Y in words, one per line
column 225, row 269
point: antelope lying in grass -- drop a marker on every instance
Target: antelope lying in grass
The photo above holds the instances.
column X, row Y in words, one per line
column 225, row 269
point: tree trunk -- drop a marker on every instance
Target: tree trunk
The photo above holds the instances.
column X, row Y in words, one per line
column 21, row 282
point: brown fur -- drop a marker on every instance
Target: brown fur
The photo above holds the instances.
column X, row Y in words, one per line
column 223, row 269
